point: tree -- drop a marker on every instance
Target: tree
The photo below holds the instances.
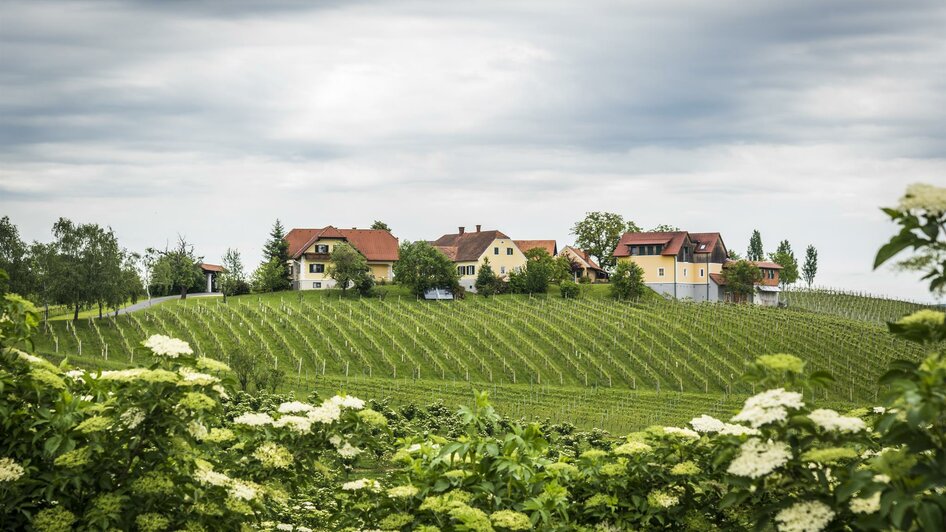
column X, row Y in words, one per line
column 487, row 283
column 810, row 268
column 349, row 267
column 378, row 224
column 598, row 234
column 70, row 270
column 664, row 228
column 627, row 282
column 177, row 268
column 243, row 365
column 741, row 278
column 276, row 250
column 267, row 276
column 42, row 264
column 755, row 251
column 232, row 280
column 421, row 267
column 732, row 254
column 14, row 259
column 785, row 257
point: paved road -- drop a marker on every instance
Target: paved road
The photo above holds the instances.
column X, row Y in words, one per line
column 141, row 305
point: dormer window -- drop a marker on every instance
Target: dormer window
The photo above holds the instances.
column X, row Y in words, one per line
column 321, row 248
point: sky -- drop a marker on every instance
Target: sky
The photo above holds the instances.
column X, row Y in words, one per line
column 212, row 119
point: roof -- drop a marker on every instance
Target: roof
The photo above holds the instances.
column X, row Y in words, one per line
column 671, row 241
column 374, row 244
column 766, row 288
column 707, row 241
column 768, row 265
column 718, row 279
column 467, row 246
column 211, row 267
column 548, row 245
column 583, row 256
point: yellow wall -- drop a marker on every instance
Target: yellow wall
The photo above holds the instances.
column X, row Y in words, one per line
column 501, row 261
column 687, row 272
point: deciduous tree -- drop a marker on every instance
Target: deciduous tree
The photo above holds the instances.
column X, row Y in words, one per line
column 422, row 267
column 598, row 234
column 232, row 280
column 664, row 228
column 741, row 278
column 349, row 267
column 14, row 259
column 378, row 224
column 785, row 257
column 627, row 281
column 810, row 268
column 177, row 268
column 755, row 251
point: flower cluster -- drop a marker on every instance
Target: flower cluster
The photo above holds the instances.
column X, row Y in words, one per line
column 10, row 470
column 709, row 424
column 361, row 484
column 809, row 516
column 832, row 421
column 273, row 456
column 921, row 196
column 253, row 419
column 769, row 406
column 866, row 505
column 166, row 346
column 757, row 458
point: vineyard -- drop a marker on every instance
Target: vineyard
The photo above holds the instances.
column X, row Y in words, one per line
column 551, row 344
column 851, row 305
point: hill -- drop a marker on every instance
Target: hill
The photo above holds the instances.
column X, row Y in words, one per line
column 851, row 305
column 548, row 345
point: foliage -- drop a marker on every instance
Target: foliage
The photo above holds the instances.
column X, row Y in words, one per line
column 349, row 268
column 810, row 268
column 487, row 282
column 785, row 257
column 755, row 251
column 741, row 278
column 569, row 289
column 232, row 280
column 268, row 276
column 664, row 228
column 379, row 225
column 921, row 216
column 422, row 267
column 598, row 233
column 540, row 270
column 732, row 254
column 627, row 281
column 276, row 255
column 178, row 268
column 15, row 259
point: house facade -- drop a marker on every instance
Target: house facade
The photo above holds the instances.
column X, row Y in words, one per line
column 583, row 265
column 767, row 290
column 677, row 264
column 310, row 254
column 468, row 249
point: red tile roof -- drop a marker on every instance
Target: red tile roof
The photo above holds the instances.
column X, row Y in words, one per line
column 671, row 241
column 718, row 279
column 767, row 264
column 211, row 267
column 374, row 244
column 709, row 240
column 467, row 246
column 549, row 246
column 583, row 256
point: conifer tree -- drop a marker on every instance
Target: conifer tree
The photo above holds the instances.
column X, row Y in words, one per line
column 755, row 251
column 810, row 268
column 276, row 252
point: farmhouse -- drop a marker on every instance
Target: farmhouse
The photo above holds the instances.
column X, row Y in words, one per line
column 766, row 291
column 583, row 265
column 677, row 264
column 310, row 254
column 468, row 250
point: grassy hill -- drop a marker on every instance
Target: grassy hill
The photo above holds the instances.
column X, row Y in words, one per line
column 593, row 359
column 851, row 305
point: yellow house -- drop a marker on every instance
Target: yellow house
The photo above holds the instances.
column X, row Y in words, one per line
column 468, row 250
column 677, row 264
column 310, row 252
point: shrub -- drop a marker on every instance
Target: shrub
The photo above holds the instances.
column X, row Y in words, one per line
column 569, row 289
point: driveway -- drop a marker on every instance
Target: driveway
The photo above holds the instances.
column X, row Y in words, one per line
column 141, row 305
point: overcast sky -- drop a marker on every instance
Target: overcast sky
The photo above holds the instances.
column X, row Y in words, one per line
column 798, row 118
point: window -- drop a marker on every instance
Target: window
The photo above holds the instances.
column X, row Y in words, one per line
column 471, row 270
column 660, row 272
column 702, row 272
column 684, row 272
column 321, row 248
column 316, row 285
column 461, row 270
column 316, row 268
column 508, row 251
column 502, row 269
column 495, row 251
column 770, row 274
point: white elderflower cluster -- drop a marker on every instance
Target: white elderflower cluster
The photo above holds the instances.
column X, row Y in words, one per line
column 810, row 516
column 295, row 407
column 209, row 477
column 221, row 391
column 832, row 421
column 662, row 499
column 757, row 458
column 166, row 346
column 921, row 196
column 328, row 412
column 132, row 417
column 76, row 375
column 681, row 432
column 241, row 489
column 879, row 410
column 769, row 406
column 709, row 424
column 238, row 489
column 194, row 378
column 10, row 470
column 197, row 430
column 253, row 419
column 866, row 505
column 297, row 424
column 347, row 401
column 361, row 484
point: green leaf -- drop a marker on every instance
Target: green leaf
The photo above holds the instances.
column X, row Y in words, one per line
column 733, row 498
column 52, row 444
column 930, row 516
column 896, row 245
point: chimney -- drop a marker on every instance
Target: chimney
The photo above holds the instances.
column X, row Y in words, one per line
column 461, row 229
column 478, row 228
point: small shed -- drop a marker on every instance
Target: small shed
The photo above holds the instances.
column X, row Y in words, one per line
column 210, row 272
column 438, row 294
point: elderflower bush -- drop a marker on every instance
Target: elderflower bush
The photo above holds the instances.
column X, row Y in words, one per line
column 153, row 448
